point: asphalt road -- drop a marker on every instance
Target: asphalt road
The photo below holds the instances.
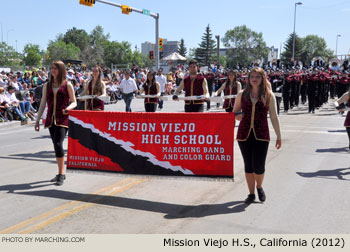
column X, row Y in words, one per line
column 306, row 184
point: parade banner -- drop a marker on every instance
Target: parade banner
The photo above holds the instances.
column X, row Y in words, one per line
column 171, row 144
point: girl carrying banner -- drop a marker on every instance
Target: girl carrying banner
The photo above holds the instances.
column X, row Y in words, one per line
column 57, row 93
column 151, row 87
column 256, row 101
column 95, row 87
column 230, row 87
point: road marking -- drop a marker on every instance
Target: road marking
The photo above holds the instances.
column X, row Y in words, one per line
column 310, row 127
column 314, row 132
column 26, row 223
column 70, row 212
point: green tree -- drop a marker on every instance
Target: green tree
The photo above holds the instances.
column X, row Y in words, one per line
column 59, row 50
column 116, row 52
column 205, row 53
column 7, row 54
column 182, row 49
column 32, row 55
column 288, row 49
column 244, row 45
column 78, row 37
column 94, row 53
column 314, row 46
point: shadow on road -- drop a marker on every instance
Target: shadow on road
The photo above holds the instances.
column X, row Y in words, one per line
column 335, row 131
column 327, row 174
column 37, row 157
column 26, row 186
column 334, row 150
column 171, row 211
column 42, row 137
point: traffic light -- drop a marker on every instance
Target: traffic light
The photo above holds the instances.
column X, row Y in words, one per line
column 151, row 54
column 126, row 9
column 160, row 44
column 89, row 3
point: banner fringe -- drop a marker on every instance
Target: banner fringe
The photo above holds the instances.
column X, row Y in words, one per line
column 123, row 175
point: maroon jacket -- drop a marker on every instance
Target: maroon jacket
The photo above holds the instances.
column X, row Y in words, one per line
column 229, row 103
column 62, row 102
column 257, row 113
column 152, row 90
column 96, row 103
column 194, row 88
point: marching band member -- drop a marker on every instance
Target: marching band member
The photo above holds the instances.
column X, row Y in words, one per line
column 287, row 90
column 230, row 87
column 277, row 82
column 57, row 93
column 256, row 101
column 345, row 98
column 311, row 90
column 151, row 87
column 95, row 87
column 195, row 85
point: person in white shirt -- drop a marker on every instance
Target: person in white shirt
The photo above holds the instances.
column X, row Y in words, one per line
column 3, row 80
column 14, row 103
column 14, row 83
column 160, row 78
column 24, row 105
column 128, row 88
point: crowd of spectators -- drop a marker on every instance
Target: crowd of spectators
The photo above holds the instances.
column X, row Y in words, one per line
column 20, row 92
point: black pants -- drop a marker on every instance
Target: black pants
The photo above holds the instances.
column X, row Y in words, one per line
column 303, row 89
column 58, row 134
column 194, row 108
column 150, row 107
column 348, row 130
column 160, row 101
column 254, row 154
column 229, row 109
column 297, row 94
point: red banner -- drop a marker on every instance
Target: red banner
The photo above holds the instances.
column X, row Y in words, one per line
column 175, row 144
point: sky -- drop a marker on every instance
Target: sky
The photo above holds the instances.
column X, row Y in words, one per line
column 38, row 21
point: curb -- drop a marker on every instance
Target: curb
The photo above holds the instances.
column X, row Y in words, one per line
column 15, row 124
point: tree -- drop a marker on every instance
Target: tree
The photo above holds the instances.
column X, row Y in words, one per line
column 205, row 53
column 78, row 37
column 7, row 54
column 182, row 50
column 94, row 53
column 314, row 46
column 244, row 45
column 116, row 52
column 288, row 50
column 32, row 55
column 59, row 50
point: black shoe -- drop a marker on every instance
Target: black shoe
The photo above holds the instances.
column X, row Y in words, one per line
column 58, row 176
column 250, row 199
column 261, row 194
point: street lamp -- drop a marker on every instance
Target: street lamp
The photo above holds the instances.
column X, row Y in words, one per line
column 336, row 46
column 295, row 11
column 8, row 35
column 2, row 37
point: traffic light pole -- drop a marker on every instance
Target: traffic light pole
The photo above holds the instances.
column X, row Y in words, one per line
column 154, row 15
column 156, row 46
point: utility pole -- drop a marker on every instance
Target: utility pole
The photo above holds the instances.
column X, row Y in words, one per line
column 295, row 11
column 217, row 49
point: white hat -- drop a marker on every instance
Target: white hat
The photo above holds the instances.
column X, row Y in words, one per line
column 70, row 71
